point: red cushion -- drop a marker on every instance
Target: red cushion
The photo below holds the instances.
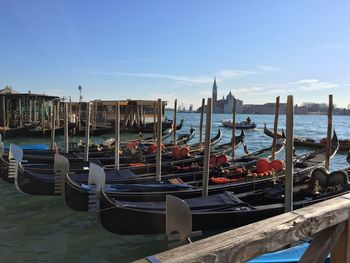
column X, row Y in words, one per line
column 263, row 165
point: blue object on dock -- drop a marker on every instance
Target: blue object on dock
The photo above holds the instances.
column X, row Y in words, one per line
column 289, row 255
column 36, row 146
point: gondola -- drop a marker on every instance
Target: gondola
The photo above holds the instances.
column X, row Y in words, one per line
column 222, row 211
column 244, row 125
column 148, row 127
column 344, row 145
column 14, row 132
column 77, row 194
column 107, row 157
column 37, row 181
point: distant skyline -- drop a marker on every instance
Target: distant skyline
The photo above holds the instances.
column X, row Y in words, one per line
column 174, row 49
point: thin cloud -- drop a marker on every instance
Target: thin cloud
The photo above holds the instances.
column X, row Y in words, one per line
column 221, row 75
column 270, row 68
column 333, row 46
column 313, row 84
column 123, row 61
column 231, row 74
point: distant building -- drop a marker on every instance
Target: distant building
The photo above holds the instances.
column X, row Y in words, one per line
column 225, row 104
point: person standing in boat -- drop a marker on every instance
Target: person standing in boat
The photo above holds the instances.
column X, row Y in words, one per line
column 248, row 120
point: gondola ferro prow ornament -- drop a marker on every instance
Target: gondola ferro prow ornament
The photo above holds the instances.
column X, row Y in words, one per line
column 61, row 169
column 178, row 227
column 97, row 177
column 15, row 158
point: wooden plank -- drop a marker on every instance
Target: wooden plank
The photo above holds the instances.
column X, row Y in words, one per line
column 322, row 244
column 341, row 251
column 244, row 243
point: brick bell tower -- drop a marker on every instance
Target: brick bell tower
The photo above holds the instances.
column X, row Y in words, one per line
column 215, row 94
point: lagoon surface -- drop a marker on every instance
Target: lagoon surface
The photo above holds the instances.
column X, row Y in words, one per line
column 42, row 229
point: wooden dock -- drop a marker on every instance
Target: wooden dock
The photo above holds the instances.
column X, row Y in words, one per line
column 328, row 223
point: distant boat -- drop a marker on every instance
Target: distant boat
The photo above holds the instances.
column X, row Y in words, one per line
column 242, row 125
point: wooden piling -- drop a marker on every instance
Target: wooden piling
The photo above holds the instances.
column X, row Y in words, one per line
column 117, row 136
column 66, row 112
column 159, row 143
column 87, row 132
column 58, row 118
column 35, row 112
column 233, row 127
column 154, row 121
column 30, row 110
column 201, row 125
column 207, row 149
column 20, row 112
column 289, row 155
column 4, row 111
column 43, row 121
column 329, row 132
column 174, row 122
column 53, row 122
column 275, row 125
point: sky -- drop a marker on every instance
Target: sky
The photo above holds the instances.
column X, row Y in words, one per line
column 115, row 50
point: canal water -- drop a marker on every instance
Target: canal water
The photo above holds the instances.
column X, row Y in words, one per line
column 42, row 229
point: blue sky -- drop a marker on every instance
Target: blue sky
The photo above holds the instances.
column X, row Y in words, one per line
column 173, row 49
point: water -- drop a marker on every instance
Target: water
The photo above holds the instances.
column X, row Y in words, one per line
column 42, row 229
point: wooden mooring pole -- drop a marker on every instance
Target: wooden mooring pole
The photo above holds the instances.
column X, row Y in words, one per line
column 233, row 127
column 275, row 125
column 117, row 137
column 159, row 143
column 289, row 155
column 154, row 121
column 174, row 122
column 207, row 149
column 201, row 125
column 87, row 132
column 53, row 122
column 66, row 112
column 329, row 132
